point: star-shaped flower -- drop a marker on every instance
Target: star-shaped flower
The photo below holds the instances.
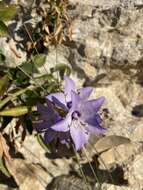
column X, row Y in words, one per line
column 82, row 119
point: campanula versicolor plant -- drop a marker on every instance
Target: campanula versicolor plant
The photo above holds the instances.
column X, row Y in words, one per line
column 49, row 117
column 80, row 119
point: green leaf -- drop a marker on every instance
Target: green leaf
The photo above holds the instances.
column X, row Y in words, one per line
column 31, row 98
column 3, row 168
column 18, row 77
column 14, row 95
column 29, row 68
column 17, row 111
column 3, row 84
column 3, row 29
column 39, row 59
column 7, row 12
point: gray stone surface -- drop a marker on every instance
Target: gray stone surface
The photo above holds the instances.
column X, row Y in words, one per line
column 106, row 52
column 109, row 142
column 110, row 34
column 135, row 172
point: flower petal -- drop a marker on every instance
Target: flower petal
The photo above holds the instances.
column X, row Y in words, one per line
column 69, row 86
column 97, row 130
column 62, row 125
column 49, row 136
column 76, row 100
column 42, row 126
column 59, row 104
column 79, row 135
column 48, row 114
column 57, row 98
column 45, row 111
column 98, row 103
column 85, row 92
column 95, row 120
column 91, row 107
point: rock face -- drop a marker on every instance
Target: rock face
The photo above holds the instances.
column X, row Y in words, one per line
column 112, row 187
column 138, row 133
column 108, row 36
column 120, row 154
column 69, row 183
column 107, row 30
column 106, row 52
column 135, row 172
column 109, row 142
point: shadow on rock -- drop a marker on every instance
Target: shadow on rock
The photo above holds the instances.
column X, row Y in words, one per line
column 9, row 181
column 137, row 110
column 113, row 176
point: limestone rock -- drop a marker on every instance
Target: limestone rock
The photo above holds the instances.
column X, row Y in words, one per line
column 37, row 155
column 138, row 133
column 120, row 154
column 113, row 187
column 135, row 171
column 28, row 176
column 109, row 142
column 110, row 32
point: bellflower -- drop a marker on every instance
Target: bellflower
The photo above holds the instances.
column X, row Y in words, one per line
column 63, row 99
column 82, row 118
column 50, row 117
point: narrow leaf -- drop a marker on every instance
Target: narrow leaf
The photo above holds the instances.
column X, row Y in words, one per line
column 3, row 29
column 13, row 96
column 3, row 84
column 5, row 148
column 4, row 155
column 1, row 148
column 17, row 111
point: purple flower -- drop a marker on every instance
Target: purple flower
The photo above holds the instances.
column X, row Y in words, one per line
column 49, row 117
column 82, row 117
column 63, row 99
